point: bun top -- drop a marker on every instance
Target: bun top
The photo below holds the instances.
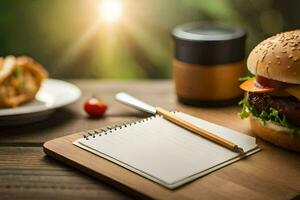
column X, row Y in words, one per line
column 277, row 57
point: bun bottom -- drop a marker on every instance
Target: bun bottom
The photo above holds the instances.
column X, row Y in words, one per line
column 276, row 134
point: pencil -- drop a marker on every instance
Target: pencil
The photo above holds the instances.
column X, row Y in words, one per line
column 195, row 129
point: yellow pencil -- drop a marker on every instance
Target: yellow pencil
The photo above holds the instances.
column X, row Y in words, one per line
column 195, row 129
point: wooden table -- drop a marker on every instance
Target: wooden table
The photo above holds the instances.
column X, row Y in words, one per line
column 26, row 173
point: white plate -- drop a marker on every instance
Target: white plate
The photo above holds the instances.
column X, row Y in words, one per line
column 52, row 94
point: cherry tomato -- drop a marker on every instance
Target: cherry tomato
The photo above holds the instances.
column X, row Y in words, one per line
column 94, row 107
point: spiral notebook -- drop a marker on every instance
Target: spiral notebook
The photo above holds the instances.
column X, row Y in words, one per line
column 164, row 152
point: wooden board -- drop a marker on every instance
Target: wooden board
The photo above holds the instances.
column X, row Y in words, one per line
column 255, row 177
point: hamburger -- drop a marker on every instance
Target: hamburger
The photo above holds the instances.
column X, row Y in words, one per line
column 272, row 96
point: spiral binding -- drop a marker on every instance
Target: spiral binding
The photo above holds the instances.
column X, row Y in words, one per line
column 110, row 129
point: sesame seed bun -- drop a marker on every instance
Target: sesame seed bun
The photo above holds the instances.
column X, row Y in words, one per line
column 277, row 58
column 276, row 134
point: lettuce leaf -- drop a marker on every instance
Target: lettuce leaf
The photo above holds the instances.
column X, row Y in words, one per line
column 264, row 116
column 246, row 78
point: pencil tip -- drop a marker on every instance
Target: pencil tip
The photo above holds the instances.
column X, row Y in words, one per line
column 239, row 149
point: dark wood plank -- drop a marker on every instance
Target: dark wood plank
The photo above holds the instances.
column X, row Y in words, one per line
column 159, row 92
column 26, row 173
column 57, row 194
column 61, row 124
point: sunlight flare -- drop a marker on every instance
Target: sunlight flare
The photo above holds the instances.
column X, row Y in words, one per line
column 110, row 10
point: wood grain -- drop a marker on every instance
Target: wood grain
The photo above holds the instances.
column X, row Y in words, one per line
column 26, row 173
column 38, row 133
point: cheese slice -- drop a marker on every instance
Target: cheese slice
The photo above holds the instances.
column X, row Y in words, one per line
column 252, row 86
column 294, row 91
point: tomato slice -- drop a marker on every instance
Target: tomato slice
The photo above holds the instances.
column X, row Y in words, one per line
column 269, row 83
column 261, row 84
column 252, row 85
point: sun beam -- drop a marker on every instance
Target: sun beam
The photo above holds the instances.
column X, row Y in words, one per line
column 109, row 13
column 110, row 10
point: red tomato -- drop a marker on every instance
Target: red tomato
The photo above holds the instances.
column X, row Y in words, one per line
column 265, row 82
column 94, row 107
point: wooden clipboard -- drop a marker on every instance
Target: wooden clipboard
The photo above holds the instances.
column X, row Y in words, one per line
column 64, row 150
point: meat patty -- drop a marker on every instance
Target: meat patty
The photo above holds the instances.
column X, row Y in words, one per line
column 289, row 106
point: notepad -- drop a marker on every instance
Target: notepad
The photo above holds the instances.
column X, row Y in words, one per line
column 164, row 152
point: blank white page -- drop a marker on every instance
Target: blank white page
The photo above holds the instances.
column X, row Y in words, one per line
column 166, row 153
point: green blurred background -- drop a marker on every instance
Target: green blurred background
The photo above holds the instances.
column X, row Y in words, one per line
column 63, row 34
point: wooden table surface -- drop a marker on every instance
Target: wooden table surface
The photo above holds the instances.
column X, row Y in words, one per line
column 26, row 173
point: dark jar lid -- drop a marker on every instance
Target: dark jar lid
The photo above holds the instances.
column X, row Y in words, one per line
column 209, row 44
